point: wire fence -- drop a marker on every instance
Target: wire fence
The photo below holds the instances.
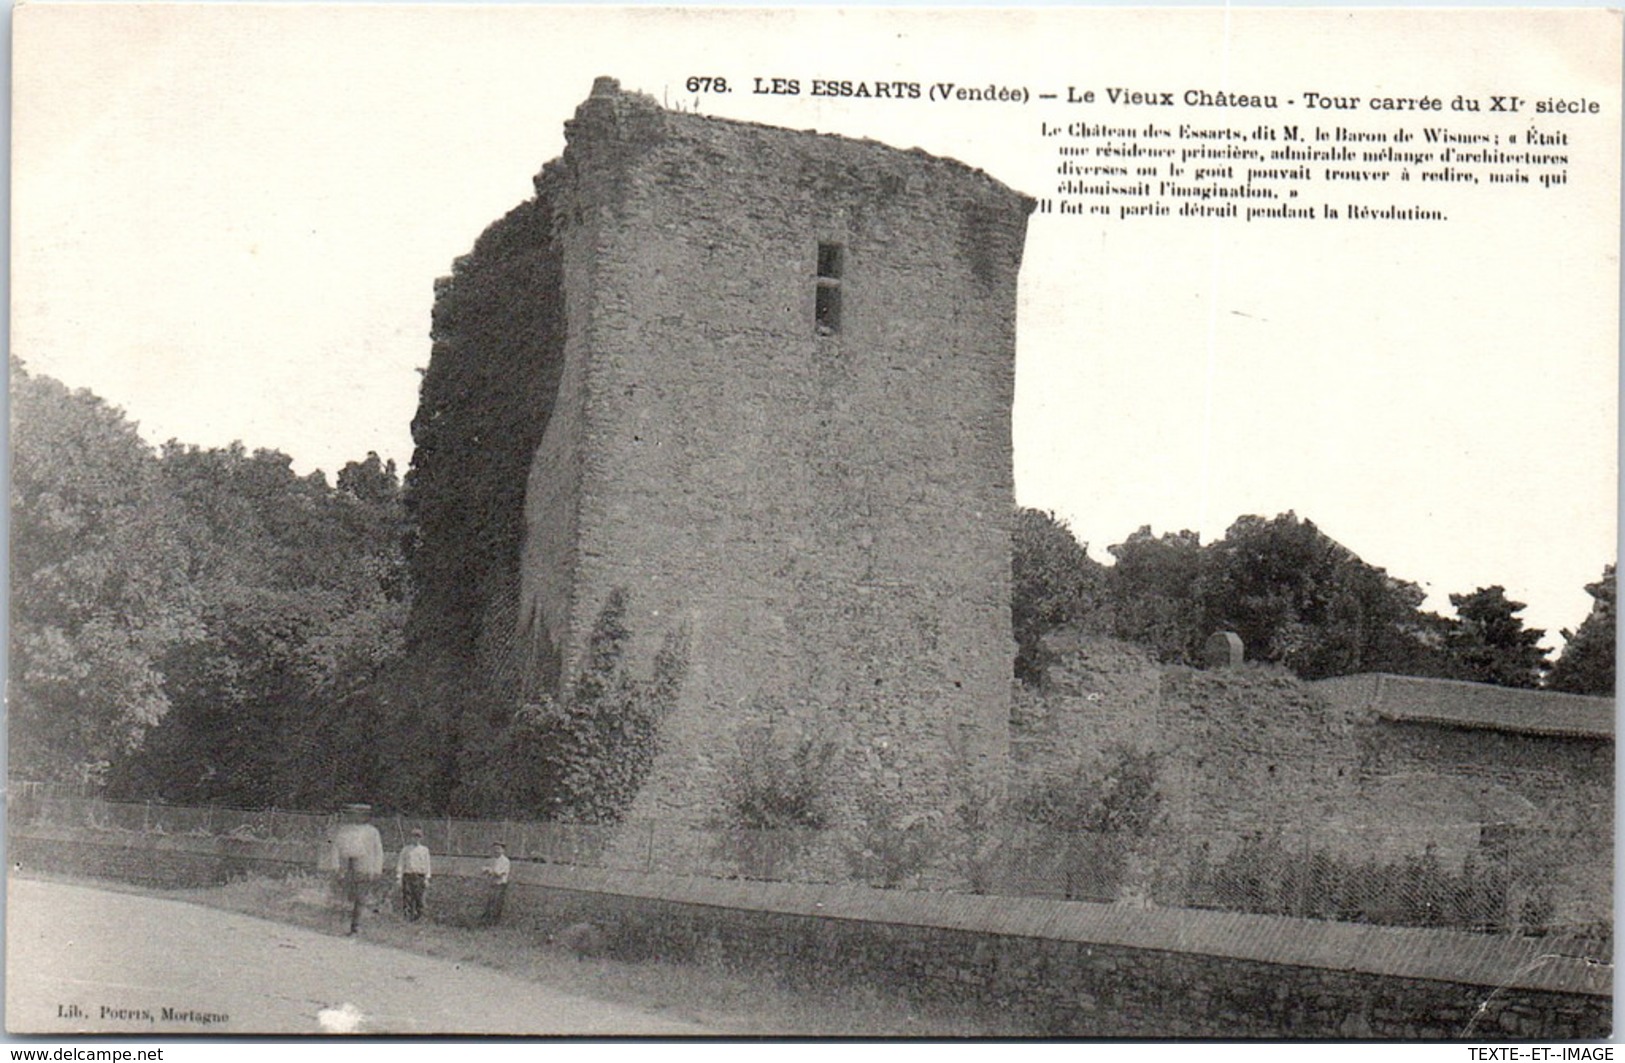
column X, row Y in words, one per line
column 1486, row 878
column 31, row 804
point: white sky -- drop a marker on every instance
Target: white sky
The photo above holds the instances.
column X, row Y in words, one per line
column 228, row 222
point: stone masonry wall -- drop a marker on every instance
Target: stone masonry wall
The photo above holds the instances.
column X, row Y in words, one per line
column 1246, row 751
column 952, row 953
column 1547, row 799
column 1256, row 751
column 824, row 516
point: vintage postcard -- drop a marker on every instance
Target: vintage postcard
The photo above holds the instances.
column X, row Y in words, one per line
column 812, row 522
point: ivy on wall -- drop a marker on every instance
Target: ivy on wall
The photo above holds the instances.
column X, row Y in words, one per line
column 589, row 748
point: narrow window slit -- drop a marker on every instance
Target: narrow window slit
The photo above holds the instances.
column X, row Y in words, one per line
column 827, row 303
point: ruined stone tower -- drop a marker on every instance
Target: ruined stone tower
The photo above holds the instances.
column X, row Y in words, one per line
column 768, row 377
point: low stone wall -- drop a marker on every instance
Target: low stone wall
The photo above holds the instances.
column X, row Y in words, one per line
column 1058, row 968
column 1090, row 970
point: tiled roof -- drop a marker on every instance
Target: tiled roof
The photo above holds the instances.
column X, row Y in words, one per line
column 1455, row 703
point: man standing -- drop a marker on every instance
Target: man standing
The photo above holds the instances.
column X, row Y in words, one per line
column 355, row 852
column 496, row 878
column 412, row 872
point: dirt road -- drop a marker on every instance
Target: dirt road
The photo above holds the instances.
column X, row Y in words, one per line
column 81, row 960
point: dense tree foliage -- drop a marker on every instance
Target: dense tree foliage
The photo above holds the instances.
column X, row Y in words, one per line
column 497, row 318
column 1587, row 664
column 302, row 595
column 1054, row 582
column 1152, row 592
column 483, row 405
column 1299, row 598
column 1295, row 596
column 197, row 624
column 208, row 626
column 1489, row 644
column 99, row 583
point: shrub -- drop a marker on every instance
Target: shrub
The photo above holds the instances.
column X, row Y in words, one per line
column 586, row 753
column 891, row 845
column 1118, row 796
column 979, row 817
column 1264, row 874
column 1104, row 812
column 774, row 795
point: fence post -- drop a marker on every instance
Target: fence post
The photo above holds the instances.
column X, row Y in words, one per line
column 1303, row 881
column 649, row 849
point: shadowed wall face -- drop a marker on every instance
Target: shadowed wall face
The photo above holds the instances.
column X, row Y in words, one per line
column 783, row 427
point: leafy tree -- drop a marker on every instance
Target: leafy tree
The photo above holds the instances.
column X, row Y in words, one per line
column 1299, row 598
column 1152, row 592
column 1277, row 584
column 1587, row 663
column 301, row 595
column 1397, row 635
column 99, row 583
column 1294, row 595
column 1487, row 643
column 1054, row 582
column 371, row 480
